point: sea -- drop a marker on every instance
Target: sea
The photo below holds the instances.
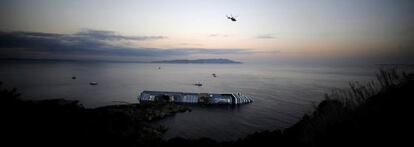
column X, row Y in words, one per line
column 282, row 94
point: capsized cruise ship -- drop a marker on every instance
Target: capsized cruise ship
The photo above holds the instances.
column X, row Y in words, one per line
column 194, row 98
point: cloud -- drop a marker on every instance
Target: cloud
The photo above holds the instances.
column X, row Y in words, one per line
column 188, row 51
column 269, row 52
column 190, row 44
column 266, row 36
column 92, row 43
column 218, row 35
column 110, row 35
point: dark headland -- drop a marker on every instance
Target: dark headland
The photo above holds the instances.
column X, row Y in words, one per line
column 372, row 114
column 200, row 61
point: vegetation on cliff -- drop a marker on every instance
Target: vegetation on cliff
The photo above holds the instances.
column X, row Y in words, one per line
column 65, row 122
column 376, row 113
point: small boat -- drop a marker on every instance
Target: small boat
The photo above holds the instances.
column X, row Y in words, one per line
column 214, row 75
column 93, row 83
column 198, row 84
column 74, row 77
column 159, row 67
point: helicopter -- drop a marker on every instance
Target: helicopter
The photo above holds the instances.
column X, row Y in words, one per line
column 232, row 18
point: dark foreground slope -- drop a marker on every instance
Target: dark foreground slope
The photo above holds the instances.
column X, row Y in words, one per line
column 61, row 122
column 371, row 114
column 367, row 114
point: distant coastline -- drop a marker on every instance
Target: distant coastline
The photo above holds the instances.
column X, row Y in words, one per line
column 200, row 61
column 181, row 61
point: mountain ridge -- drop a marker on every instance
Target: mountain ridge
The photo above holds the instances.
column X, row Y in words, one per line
column 200, row 61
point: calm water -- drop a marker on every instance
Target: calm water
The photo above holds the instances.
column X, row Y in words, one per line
column 282, row 94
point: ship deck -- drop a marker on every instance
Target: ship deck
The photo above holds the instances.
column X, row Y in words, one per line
column 185, row 97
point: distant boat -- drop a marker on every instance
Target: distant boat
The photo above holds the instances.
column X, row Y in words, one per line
column 93, row 83
column 159, row 67
column 198, row 84
column 214, row 75
column 74, row 77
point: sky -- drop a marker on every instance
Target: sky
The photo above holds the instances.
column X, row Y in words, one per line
column 372, row 31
